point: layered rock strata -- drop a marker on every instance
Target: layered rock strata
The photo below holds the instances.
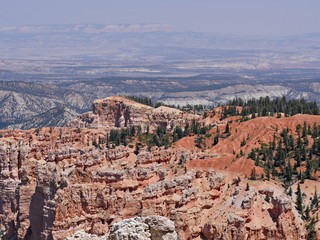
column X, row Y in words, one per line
column 54, row 183
column 116, row 112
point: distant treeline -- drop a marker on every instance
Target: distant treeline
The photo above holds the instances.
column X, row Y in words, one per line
column 146, row 101
column 265, row 106
column 143, row 100
column 149, row 102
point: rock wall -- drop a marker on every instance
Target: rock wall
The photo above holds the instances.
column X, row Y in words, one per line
column 54, row 183
column 115, row 112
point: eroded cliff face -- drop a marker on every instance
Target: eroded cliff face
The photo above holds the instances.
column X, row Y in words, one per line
column 116, row 111
column 55, row 183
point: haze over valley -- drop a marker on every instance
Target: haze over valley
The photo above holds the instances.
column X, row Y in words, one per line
column 68, row 66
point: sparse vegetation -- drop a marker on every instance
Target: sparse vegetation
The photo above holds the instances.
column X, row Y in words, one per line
column 265, row 106
column 291, row 156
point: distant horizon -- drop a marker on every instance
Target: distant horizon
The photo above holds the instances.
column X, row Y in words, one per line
column 245, row 17
column 8, row 27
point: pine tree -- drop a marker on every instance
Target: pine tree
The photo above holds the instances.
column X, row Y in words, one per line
column 227, row 130
column 178, row 133
column 257, row 161
column 268, row 174
column 216, row 139
column 297, row 157
column 304, row 130
column 198, row 141
column 289, row 172
column 195, row 127
column 280, row 155
column 315, row 200
column 312, row 234
column 315, row 132
column 247, row 187
column 241, row 153
column 186, row 130
column 267, row 198
column 308, row 172
column 303, row 153
column 273, row 146
column 309, row 130
column 243, row 142
column 252, row 154
column 291, row 142
column 107, row 140
column 307, row 213
column 137, row 149
column 299, row 206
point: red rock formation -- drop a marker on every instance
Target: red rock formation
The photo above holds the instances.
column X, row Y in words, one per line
column 54, row 182
column 121, row 112
column 56, row 192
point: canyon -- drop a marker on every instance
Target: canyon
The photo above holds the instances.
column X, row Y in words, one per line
column 58, row 181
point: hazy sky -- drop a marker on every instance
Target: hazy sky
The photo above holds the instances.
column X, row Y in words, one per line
column 255, row 17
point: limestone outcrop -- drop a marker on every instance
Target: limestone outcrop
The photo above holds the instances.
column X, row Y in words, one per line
column 82, row 235
column 145, row 228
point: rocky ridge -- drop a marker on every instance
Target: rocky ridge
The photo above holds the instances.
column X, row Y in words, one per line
column 117, row 112
column 25, row 105
column 57, row 116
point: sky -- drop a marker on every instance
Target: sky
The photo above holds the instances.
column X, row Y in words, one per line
column 244, row 17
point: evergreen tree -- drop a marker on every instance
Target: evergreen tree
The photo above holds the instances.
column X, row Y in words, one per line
column 291, row 142
column 107, row 140
column 137, row 149
column 241, row 153
column 315, row 132
column 215, row 139
column 268, row 174
column 195, row 127
column 198, row 141
column 265, row 106
column 308, row 173
column 178, row 133
column 186, row 130
column 267, row 198
column 307, row 213
column 227, row 130
column 243, row 142
column 299, row 206
column 315, row 200
column 312, row 234
column 289, row 173
column 304, row 130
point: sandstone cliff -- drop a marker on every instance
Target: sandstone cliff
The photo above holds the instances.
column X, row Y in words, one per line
column 116, row 111
column 51, row 190
column 55, row 182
